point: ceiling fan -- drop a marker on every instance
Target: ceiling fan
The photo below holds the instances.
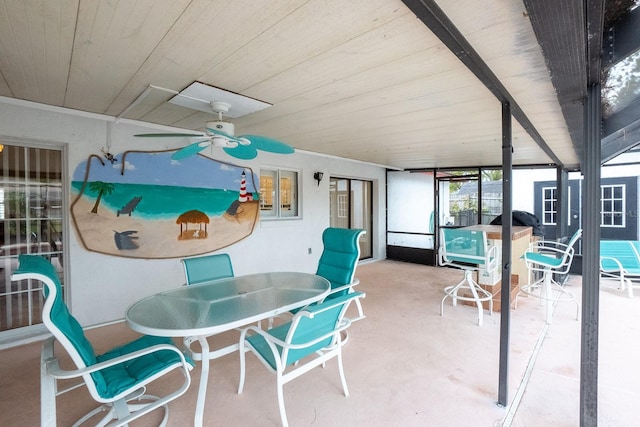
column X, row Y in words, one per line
column 220, row 133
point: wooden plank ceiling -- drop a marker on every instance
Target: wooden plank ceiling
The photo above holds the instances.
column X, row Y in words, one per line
column 362, row 79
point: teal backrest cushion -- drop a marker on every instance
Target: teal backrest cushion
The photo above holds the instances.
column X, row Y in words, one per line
column 326, row 317
column 59, row 315
column 210, row 267
column 339, row 256
column 463, row 245
column 621, row 250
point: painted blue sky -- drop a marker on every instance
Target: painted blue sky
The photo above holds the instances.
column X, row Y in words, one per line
column 158, row 169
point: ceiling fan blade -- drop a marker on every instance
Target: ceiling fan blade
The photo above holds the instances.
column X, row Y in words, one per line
column 168, row 135
column 268, row 144
column 190, row 150
column 244, row 152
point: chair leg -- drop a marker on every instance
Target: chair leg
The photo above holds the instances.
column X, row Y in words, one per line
column 360, row 311
column 468, row 283
column 451, row 291
column 547, row 296
column 108, row 417
column 48, row 389
column 472, row 285
column 242, row 352
column 342, row 377
column 283, row 413
column 122, row 409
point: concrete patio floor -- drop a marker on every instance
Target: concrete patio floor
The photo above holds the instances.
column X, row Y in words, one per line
column 405, row 366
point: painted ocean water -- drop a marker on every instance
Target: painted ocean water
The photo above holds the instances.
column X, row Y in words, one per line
column 161, row 201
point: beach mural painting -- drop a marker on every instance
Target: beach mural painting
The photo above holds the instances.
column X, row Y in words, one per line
column 149, row 206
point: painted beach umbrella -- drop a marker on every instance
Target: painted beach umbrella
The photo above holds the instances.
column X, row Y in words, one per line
column 195, row 217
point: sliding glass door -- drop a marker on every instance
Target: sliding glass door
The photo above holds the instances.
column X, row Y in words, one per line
column 350, row 206
column 31, row 221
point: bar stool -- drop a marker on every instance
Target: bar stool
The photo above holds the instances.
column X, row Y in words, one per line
column 550, row 258
column 467, row 249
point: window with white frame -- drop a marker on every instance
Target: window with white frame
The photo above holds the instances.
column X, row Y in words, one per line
column 343, row 207
column 549, row 205
column 279, row 193
column 612, row 205
column 32, row 221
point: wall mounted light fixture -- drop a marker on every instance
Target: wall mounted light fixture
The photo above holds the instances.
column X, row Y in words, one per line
column 318, row 177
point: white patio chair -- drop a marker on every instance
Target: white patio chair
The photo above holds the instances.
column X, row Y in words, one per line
column 116, row 379
column 550, row 258
column 314, row 332
column 468, row 250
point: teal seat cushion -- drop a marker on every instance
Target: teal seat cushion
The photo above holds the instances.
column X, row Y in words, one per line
column 260, row 344
column 326, row 317
column 302, row 335
column 120, row 377
column 547, row 260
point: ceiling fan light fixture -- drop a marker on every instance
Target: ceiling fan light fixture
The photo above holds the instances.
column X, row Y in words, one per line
column 221, row 141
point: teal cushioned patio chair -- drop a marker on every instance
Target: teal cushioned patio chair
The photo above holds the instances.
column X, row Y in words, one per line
column 203, row 269
column 620, row 260
column 208, row 267
column 550, row 258
column 467, row 249
column 311, row 338
column 116, row 378
column 338, row 261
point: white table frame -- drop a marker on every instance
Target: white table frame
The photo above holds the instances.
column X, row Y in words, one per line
column 200, row 329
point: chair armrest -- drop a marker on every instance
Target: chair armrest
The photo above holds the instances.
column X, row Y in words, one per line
column 271, row 340
column 55, row 371
column 550, row 251
column 492, row 258
column 614, row 260
column 542, row 244
column 348, row 286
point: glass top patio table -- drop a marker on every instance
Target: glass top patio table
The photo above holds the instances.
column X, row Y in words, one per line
column 221, row 305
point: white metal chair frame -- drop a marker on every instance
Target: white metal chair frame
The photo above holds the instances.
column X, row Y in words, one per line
column 118, row 406
column 550, row 258
column 121, row 407
column 468, row 263
column 280, row 348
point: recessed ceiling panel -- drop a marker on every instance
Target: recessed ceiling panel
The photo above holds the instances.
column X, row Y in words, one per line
column 199, row 96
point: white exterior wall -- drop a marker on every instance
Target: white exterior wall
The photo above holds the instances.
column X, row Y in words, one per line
column 101, row 287
column 522, row 182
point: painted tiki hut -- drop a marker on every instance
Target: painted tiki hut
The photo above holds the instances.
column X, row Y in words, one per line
column 193, row 217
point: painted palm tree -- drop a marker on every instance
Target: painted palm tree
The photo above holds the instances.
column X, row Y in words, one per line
column 102, row 188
